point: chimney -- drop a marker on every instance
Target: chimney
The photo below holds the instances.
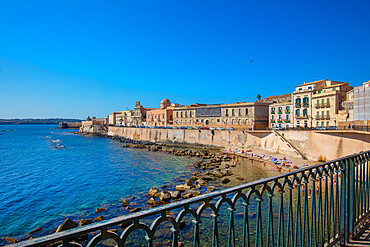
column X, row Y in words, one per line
column 304, row 82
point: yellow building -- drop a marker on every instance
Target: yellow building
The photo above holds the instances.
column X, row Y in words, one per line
column 240, row 115
column 304, row 111
column 327, row 103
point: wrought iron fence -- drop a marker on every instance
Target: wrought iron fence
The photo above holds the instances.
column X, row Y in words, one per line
column 325, row 204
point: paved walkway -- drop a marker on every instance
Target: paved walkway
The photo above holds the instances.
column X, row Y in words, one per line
column 363, row 237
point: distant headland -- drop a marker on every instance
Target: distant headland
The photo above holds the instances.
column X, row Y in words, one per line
column 37, row 121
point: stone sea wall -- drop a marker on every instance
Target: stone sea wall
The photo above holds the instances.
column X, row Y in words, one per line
column 315, row 145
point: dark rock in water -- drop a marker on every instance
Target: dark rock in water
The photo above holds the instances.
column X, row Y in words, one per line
column 84, row 222
column 165, row 196
column 66, row 225
column 175, row 194
column 11, row 240
column 100, row 210
column 187, row 195
column 211, row 188
column 206, row 178
column 135, row 210
column 194, row 192
column 125, row 203
column 153, row 191
column 99, row 218
column 225, row 180
column 36, row 230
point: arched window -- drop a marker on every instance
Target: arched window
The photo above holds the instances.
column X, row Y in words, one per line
column 227, row 112
column 189, row 113
column 181, row 114
column 240, row 112
column 233, row 112
column 186, row 114
column 246, row 111
column 304, row 112
column 177, row 114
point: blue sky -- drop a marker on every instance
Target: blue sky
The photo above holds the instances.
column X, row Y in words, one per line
column 78, row 58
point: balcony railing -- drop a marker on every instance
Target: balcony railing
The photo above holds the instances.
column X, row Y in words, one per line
column 280, row 112
column 272, row 121
column 306, row 104
column 297, row 105
column 320, row 205
column 301, row 117
column 323, row 117
column 322, row 105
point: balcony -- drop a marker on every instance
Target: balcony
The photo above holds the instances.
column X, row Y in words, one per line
column 280, row 121
column 322, row 105
column 301, row 117
column 280, row 112
column 272, row 121
column 306, row 104
column 297, row 105
column 287, row 112
column 287, row 121
column 239, row 202
column 323, row 117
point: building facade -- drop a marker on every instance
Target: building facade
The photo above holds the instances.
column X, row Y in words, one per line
column 361, row 102
column 302, row 102
column 280, row 115
column 239, row 115
column 327, row 102
column 162, row 116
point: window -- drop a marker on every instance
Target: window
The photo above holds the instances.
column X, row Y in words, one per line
column 287, row 117
column 177, row 114
column 328, row 101
column 246, row 111
column 317, row 123
column 322, row 123
column 304, row 112
column 186, row 114
column 327, row 114
column 318, row 114
column 297, row 112
column 280, row 108
column 190, row 113
column 287, row 108
column 279, row 117
column 327, row 124
column 227, row 112
column 317, row 102
column 322, row 114
column 233, row 112
column 181, row 114
column 298, row 100
column 218, row 120
column 240, row 112
column 272, row 117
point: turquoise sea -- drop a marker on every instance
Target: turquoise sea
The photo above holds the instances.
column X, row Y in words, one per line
column 48, row 174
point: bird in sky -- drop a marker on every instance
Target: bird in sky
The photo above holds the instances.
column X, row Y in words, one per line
column 251, row 61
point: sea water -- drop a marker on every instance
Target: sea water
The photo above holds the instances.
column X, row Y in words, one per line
column 49, row 174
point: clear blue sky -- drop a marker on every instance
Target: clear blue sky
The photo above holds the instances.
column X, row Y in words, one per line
column 79, row 58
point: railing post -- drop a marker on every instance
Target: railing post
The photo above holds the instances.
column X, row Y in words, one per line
column 351, row 198
column 343, row 202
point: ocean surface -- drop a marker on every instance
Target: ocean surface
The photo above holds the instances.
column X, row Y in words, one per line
column 48, row 174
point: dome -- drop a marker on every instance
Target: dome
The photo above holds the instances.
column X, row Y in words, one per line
column 165, row 103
